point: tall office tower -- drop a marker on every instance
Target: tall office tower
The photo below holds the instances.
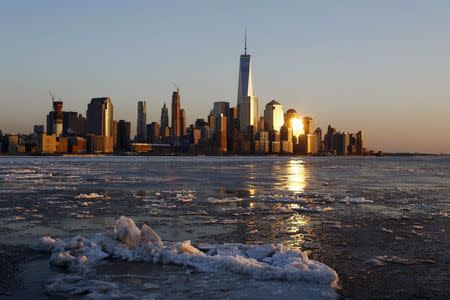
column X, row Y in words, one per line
column 55, row 119
column 114, row 133
column 248, row 114
column 123, row 135
column 247, row 103
column 211, row 120
column 99, row 117
column 164, row 119
column 141, row 126
column 220, row 133
column 318, row 133
column 273, row 116
column 329, row 139
column 342, row 143
column 261, row 123
column 183, row 122
column 307, row 125
column 74, row 124
column 233, row 121
column 37, row 129
column 221, row 107
column 176, row 124
column 153, row 133
column 360, row 142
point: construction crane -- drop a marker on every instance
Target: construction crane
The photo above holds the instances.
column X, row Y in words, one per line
column 175, row 86
column 51, row 96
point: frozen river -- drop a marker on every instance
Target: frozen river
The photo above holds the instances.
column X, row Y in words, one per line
column 381, row 223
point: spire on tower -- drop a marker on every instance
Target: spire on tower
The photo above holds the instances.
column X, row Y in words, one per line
column 245, row 42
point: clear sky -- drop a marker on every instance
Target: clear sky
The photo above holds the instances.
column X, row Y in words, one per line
column 380, row 66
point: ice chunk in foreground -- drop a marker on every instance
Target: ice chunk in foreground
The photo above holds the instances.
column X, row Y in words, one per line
column 130, row 243
column 127, row 232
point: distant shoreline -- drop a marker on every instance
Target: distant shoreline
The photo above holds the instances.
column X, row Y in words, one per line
column 215, row 155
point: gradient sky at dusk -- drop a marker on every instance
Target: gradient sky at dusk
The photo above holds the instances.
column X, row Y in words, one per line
column 380, row 66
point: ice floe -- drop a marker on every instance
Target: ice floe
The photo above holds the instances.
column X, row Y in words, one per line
column 130, row 243
column 380, row 260
column 224, row 200
column 91, row 196
column 356, row 200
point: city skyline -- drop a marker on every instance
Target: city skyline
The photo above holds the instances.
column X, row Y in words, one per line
column 390, row 95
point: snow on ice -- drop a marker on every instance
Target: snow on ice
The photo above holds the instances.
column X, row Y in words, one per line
column 129, row 243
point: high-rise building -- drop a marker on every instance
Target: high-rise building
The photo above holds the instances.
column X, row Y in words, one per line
column 164, row 119
column 74, row 124
column 329, row 139
column 307, row 125
column 183, row 122
column 248, row 113
column 342, row 143
column 99, row 116
column 360, row 142
column 247, row 103
column 141, row 125
column 176, row 124
column 37, row 129
column 153, row 133
column 123, row 135
column 114, row 132
column 318, row 133
column 221, row 107
column 273, row 116
column 220, row 133
column 55, row 119
column 211, row 120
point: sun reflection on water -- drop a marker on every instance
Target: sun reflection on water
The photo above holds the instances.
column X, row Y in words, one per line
column 296, row 176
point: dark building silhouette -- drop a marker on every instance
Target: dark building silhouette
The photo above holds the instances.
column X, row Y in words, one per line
column 153, row 133
column 37, row 129
column 74, row 124
column 183, row 122
column 164, row 120
column 123, row 135
column 141, row 124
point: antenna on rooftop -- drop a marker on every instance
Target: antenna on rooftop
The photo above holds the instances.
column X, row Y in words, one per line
column 245, row 42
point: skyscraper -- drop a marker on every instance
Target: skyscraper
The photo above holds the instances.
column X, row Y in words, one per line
column 74, row 124
column 164, row 119
column 176, row 124
column 123, row 135
column 141, row 126
column 153, row 133
column 247, row 103
column 245, row 86
column 182, row 122
column 273, row 116
column 221, row 107
column 220, row 133
column 307, row 125
column 99, row 116
column 55, row 119
column 360, row 142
